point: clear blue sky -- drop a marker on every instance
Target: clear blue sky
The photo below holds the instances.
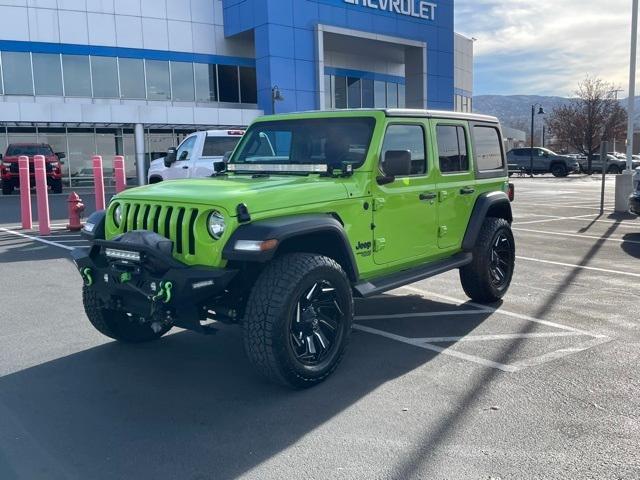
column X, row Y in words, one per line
column 545, row 47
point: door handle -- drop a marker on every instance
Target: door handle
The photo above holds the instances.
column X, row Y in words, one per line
column 428, row 196
column 467, row 190
column 185, row 167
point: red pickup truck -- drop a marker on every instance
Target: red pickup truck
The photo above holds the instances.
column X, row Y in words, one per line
column 9, row 171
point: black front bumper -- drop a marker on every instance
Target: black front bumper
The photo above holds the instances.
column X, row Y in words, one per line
column 137, row 287
column 634, row 203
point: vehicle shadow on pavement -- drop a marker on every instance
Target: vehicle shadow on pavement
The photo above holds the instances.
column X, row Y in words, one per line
column 631, row 244
column 16, row 249
column 187, row 406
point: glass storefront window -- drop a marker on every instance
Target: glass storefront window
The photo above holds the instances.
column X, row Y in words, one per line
column 82, row 146
column 47, row 74
column 17, row 73
column 401, row 96
column 367, row 93
column 104, row 71
column 158, row 83
column 182, row 82
column 380, row 94
column 341, row 92
column 228, row 83
column 132, row 78
column 328, row 92
column 206, row 82
column 392, row 95
column 248, row 85
column 77, row 76
column 354, row 94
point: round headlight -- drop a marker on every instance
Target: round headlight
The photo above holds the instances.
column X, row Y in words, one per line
column 216, row 224
column 117, row 216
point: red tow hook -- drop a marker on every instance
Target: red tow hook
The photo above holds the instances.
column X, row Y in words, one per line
column 512, row 192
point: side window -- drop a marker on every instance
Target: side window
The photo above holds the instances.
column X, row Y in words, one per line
column 487, row 148
column 185, row 149
column 218, row 146
column 452, row 149
column 407, row 137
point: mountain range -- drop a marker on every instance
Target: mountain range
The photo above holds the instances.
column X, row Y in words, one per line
column 515, row 110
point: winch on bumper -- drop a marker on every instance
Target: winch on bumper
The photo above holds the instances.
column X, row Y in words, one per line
column 137, row 274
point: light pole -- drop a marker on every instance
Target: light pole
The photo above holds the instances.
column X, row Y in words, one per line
column 632, row 83
column 533, row 117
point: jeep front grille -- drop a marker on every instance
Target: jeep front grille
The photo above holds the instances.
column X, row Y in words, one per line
column 178, row 224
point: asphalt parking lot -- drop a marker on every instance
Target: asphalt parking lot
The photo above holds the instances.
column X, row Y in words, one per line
column 543, row 386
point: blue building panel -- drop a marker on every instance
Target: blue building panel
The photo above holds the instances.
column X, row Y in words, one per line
column 286, row 49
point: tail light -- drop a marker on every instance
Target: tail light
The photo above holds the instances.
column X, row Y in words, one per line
column 235, row 133
column 512, row 192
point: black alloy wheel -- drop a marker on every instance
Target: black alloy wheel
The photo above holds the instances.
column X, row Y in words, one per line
column 315, row 326
column 501, row 261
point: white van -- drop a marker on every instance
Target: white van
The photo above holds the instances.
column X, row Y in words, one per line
column 196, row 156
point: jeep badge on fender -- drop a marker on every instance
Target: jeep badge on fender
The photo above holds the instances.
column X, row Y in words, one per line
column 279, row 242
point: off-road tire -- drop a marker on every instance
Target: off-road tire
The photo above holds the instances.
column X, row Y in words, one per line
column 7, row 188
column 476, row 277
column 56, row 186
column 559, row 170
column 117, row 325
column 270, row 310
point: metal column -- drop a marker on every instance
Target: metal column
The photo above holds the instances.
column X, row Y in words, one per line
column 141, row 167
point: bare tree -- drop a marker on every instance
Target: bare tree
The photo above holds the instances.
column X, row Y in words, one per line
column 595, row 115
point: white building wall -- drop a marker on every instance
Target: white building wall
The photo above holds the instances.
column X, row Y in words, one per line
column 191, row 26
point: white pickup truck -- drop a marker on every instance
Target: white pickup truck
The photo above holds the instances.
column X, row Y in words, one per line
column 195, row 157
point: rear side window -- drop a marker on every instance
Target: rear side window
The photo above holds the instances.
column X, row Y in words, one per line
column 452, row 149
column 218, row 146
column 487, row 148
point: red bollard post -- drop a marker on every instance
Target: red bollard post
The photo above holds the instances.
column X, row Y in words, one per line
column 98, row 181
column 44, row 224
column 118, row 172
column 25, row 193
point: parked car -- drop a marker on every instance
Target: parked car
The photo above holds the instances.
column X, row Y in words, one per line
column 614, row 166
column 634, row 199
column 314, row 209
column 9, row 168
column 544, row 161
column 196, row 156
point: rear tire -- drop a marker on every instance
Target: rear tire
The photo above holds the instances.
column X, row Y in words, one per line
column 56, row 186
column 559, row 170
column 7, row 188
column 488, row 277
column 117, row 325
column 298, row 319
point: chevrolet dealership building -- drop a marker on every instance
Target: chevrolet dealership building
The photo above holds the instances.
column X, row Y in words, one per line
column 133, row 77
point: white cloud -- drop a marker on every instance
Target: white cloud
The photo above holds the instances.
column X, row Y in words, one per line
column 546, row 46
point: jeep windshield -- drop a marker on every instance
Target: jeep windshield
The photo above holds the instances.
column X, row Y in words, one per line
column 304, row 146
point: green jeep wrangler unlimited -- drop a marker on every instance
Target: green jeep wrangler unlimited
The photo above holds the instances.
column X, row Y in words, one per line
column 312, row 210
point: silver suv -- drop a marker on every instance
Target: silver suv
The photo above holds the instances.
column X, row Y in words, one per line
column 615, row 164
column 544, row 161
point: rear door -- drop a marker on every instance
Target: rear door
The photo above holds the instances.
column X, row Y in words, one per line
column 455, row 180
column 213, row 151
column 405, row 211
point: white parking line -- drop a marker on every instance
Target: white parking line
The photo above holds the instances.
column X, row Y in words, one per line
column 577, row 235
column 499, row 336
column 419, row 315
column 36, row 239
column 583, row 267
column 563, row 352
column 548, row 205
column 555, row 219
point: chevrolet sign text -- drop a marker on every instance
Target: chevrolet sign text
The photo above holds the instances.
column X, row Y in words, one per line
column 411, row 8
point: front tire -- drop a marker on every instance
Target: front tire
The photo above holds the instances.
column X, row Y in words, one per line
column 488, row 277
column 298, row 319
column 614, row 170
column 7, row 188
column 117, row 325
column 56, row 186
column 559, row 170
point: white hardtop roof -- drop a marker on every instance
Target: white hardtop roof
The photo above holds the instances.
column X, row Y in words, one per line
column 223, row 132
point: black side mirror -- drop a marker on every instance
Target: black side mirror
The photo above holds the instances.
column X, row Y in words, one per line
column 61, row 155
column 396, row 163
column 219, row 167
column 171, row 157
column 1, row 156
column 227, row 156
